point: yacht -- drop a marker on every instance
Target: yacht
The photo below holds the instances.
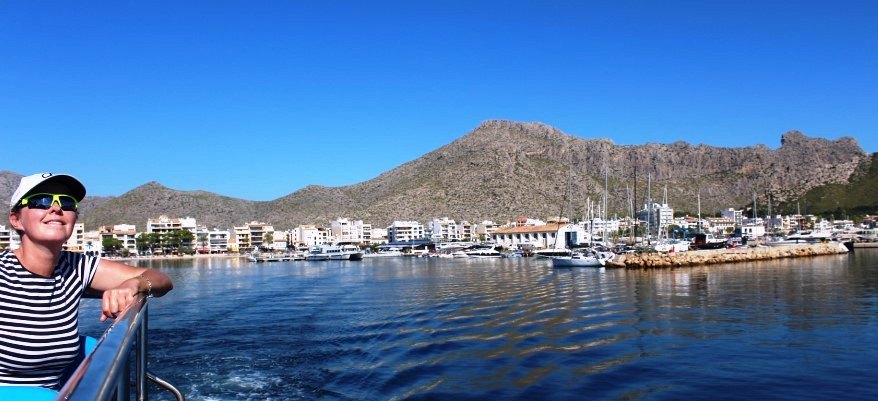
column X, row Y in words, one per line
column 343, row 252
column 802, row 238
column 582, row 258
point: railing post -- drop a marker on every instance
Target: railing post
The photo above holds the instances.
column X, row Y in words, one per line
column 141, row 356
column 122, row 381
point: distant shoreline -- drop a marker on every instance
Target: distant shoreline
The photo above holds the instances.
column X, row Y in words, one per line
column 173, row 257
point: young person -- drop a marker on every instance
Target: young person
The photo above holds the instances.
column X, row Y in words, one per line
column 41, row 285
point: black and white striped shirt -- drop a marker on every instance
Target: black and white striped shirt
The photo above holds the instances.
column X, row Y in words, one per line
column 39, row 328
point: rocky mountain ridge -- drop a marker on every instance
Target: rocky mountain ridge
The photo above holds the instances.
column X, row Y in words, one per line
column 505, row 169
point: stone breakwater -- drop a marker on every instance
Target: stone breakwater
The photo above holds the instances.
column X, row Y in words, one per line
column 714, row 256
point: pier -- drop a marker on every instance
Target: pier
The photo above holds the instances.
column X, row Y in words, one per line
column 715, row 256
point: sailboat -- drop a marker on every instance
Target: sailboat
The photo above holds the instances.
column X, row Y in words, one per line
column 578, row 257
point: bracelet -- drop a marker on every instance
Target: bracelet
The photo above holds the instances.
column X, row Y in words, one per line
column 148, row 284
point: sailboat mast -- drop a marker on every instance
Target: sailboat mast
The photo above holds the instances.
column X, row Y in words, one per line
column 699, row 211
column 648, row 206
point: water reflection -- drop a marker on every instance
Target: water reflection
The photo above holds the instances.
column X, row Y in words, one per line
column 515, row 329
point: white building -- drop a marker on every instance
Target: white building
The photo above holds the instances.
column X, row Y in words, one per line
column 253, row 235
column 443, row 229
column 9, row 238
column 311, row 236
column 76, row 241
column 540, row 237
column 465, row 231
column 402, row 231
column 485, row 229
column 125, row 233
column 217, row 240
column 344, row 230
column 597, row 226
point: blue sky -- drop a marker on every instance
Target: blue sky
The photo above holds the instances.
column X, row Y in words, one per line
column 257, row 99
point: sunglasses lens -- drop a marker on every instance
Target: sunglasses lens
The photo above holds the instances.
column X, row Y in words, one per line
column 67, row 203
column 44, row 201
column 39, row 202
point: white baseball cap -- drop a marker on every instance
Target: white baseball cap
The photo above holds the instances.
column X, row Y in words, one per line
column 27, row 184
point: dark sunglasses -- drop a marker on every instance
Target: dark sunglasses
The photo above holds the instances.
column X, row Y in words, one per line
column 45, row 202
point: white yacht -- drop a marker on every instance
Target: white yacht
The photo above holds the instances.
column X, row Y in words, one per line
column 802, row 238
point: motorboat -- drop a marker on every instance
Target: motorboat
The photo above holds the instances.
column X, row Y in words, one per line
column 588, row 258
column 802, row 238
column 482, row 251
column 343, row 252
column 672, row 246
column 384, row 252
column 708, row 241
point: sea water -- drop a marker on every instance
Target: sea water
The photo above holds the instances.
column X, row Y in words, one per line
column 514, row 329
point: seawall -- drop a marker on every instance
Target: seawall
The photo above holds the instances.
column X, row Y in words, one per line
column 714, row 256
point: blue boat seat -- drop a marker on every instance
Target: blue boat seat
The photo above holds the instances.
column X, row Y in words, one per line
column 31, row 393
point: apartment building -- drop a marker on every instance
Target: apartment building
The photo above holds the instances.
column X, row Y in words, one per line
column 345, row 230
column 126, row 233
column 465, row 231
column 9, row 238
column 214, row 241
column 443, row 229
column 311, row 236
column 485, row 229
column 76, row 241
column 404, row 231
column 253, row 235
column 736, row 216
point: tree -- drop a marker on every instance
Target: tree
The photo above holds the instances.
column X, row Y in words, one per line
column 111, row 245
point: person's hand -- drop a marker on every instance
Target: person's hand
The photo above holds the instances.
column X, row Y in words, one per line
column 115, row 300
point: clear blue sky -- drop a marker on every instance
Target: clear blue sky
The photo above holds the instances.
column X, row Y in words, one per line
column 257, row 99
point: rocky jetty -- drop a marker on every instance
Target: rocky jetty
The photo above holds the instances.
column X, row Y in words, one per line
column 714, row 256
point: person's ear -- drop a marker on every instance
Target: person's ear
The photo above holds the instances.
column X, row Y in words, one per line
column 15, row 221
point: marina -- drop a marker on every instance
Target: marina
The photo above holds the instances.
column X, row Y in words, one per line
column 514, row 328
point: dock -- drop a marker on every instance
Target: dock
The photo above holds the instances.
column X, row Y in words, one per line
column 716, row 256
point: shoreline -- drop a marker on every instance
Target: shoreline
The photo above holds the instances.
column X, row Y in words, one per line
column 716, row 256
column 172, row 257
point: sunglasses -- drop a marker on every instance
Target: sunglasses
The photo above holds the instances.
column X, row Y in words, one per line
column 45, row 202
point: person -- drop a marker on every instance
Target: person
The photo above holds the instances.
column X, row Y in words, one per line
column 41, row 284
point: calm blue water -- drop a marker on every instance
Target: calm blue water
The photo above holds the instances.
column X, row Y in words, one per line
column 515, row 329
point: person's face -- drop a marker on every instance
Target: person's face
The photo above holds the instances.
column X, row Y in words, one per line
column 51, row 225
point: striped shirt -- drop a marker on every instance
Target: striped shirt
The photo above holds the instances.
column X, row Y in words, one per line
column 39, row 328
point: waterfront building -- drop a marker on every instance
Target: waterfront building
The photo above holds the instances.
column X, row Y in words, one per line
column 753, row 228
column 597, row 226
column 76, row 240
column 658, row 215
column 253, row 235
column 280, row 241
column 312, row 236
column 163, row 225
column 485, row 229
column 345, row 230
column 443, row 230
column 540, row 237
column 403, row 231
column 93, row 244
column 465, row 231
column 218, row 241
column 720, row 225
column 9, row 238
column 125, row 233
column 378, row 236
column 736, row 216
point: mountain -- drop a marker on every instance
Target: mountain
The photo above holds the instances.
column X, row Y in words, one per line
column 505, row 169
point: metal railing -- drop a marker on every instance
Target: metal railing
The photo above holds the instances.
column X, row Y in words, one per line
column 106, row 372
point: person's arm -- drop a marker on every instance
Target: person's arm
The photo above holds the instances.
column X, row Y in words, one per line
column 120, row 283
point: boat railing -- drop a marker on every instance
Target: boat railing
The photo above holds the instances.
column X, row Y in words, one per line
column 105, row 373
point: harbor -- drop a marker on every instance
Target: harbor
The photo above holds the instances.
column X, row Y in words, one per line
column 512, row 328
